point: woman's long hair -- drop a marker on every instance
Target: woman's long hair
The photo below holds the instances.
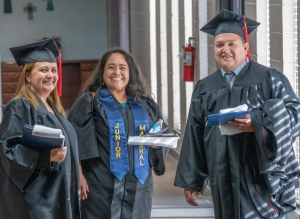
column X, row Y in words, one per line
column 24, row 91
column 136, row 86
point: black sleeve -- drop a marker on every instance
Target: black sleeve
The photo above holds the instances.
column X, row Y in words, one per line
column 81, row 117
column 156, row 155
column 44, row 161
column 192, row 169
column 157, row 161
column 18, row 160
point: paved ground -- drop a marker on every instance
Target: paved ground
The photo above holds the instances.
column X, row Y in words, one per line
column 169, row 202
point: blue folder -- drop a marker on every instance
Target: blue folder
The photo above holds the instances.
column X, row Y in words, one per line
column 224, row 118
column 41, row 143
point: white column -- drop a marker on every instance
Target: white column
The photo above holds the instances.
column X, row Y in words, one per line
column 175, row 63
column 163, row 59
column 263, row 32
column 153, row 63
column 289, row 38
column 188, row 22
column 203, row 54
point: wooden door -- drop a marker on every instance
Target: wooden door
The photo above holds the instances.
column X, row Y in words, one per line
column 71, row 84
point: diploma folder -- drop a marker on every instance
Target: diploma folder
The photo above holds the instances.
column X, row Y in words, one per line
column 224, row 118
column 41, row 143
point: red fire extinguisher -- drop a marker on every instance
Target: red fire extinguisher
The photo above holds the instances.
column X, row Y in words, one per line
column 189, row 60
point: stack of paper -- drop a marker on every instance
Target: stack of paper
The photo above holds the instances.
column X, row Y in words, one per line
column 164, row 140
column 44, row 131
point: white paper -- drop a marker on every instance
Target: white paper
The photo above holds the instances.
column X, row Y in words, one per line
column 228, row 129
column 169, row 142
column 44, row 131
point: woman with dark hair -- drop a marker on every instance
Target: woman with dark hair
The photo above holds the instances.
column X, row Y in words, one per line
column 30, row 185
column 116, row 179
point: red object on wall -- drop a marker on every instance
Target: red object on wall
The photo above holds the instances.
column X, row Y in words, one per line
column 189, row 61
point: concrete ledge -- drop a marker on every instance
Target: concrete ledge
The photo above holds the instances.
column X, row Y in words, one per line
column 174, row 154
column 182, row 213
column 295, row 214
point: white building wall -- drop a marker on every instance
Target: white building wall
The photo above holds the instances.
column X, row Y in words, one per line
column 81, row 26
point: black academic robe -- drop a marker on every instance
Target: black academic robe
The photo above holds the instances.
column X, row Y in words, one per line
column 252, row 175
column 108, row 197
column 29, row 189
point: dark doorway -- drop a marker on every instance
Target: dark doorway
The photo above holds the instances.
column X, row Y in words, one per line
column 236, row 6
column 71, row 84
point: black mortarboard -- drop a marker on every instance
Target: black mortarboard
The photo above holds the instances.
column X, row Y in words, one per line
column 42, row 51
column 229, row 22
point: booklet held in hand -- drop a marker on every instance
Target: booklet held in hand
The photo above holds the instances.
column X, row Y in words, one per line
column 224, row 118
column 42, row 140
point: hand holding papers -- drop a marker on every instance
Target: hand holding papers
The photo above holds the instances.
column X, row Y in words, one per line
column 43, row 138
column 225, row 116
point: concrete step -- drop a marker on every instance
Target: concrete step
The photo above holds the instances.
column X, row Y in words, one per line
column 169, row 202
column 178, row 213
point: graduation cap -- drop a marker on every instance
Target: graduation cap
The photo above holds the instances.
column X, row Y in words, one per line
column 42, row 51
column 229, row 22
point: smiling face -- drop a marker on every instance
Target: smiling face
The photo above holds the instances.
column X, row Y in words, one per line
column 116, row 73
column 229, row 51
column 43, row 78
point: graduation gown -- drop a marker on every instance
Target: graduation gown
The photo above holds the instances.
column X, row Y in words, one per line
column 108, row 197
column 29, row 189
column 252, row 175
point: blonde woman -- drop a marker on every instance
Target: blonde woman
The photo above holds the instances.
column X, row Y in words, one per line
column 29, row 187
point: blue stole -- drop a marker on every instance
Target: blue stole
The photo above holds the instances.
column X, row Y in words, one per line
column 119, row 162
